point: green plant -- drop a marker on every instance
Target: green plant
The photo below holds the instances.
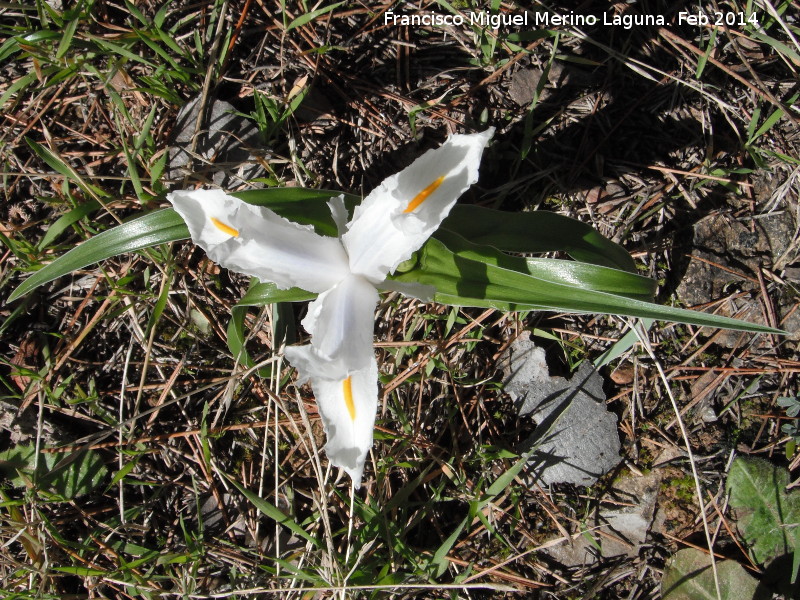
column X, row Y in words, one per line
column 767, row 515
column 689, row 575
column 767, row 518
column 792, row 429
column 55, row 476
column 464, row 273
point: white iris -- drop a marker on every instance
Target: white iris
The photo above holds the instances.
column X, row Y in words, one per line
column 386, row 229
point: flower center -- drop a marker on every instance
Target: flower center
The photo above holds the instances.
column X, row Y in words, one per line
column 347, row 390
column 423, row 195
column 225, row 228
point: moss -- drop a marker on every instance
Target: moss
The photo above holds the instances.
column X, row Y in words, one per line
column 681, row 487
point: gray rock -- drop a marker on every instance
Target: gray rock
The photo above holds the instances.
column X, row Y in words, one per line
column 722, row 247
column 523, row 85
column 224, row 149
column 23, row 426
column 779, row 228
column 576, row 438
column 524, row 81
column 720, row 240
column 616, row 530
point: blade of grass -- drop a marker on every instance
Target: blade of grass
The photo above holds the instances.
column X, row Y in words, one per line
column 65, row 221
column 152, row 229
column 274, row 513
column 68, row 34
column 308, row 17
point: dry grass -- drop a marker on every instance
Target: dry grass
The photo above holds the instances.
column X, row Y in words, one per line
column 644, row 133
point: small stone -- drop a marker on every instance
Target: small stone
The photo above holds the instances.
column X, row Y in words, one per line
column 617, row 530
column 576, row 438
column 523, row 85
column 224, row 146
column 707, row 414
column 725, row 257
column 792, row 273
column 623, row 374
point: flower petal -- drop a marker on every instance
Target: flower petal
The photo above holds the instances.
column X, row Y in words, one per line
column 255, row 241
column 341, row 322
column 398, row 216
column 339, row 213
column 347, row 404
column 309, row 363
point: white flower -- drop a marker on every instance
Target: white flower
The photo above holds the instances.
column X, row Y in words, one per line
column 390, row 224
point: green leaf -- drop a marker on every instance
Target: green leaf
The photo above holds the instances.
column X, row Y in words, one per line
column 9, row 47
column 151, row 229
column 304, row 206
column 20, row 83
column 272, row 511
column 66, row 38
column 502, row 482
column 688, row 576
column 308, row 17
column 768, row 516
column 68, row 477
column 258, row 294
column 777, row 45
column 622, row 345
column 81, row 571
column 463, row 281
column 261, row 294
column 284, row 323
column 439, row 559
column 475, row 275
column 236, row 339
column 161, row 303
column 52, row 160
column 122, row 473
column 301, row 205
column 586, row 275
column 64, row 222
column 55, row 161
column 701, row 62
column 535, row 232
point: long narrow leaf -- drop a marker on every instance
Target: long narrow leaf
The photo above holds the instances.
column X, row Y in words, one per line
column 236, row 337
column 258, row 294
column 297, row 204
column 66, row 38
column 581, row 274
column 150, row 230
column 64, row 222
column 20, row 83
column 534, row 232
column 261, row 294
column 309, row 207
column 274, row 513
column 308, row 17
column 301, row 205
column 462, row 281
column 55, row 161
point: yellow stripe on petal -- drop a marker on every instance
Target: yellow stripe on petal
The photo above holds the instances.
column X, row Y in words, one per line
column 225, row 228
column 423, row 195
column 347, row 390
